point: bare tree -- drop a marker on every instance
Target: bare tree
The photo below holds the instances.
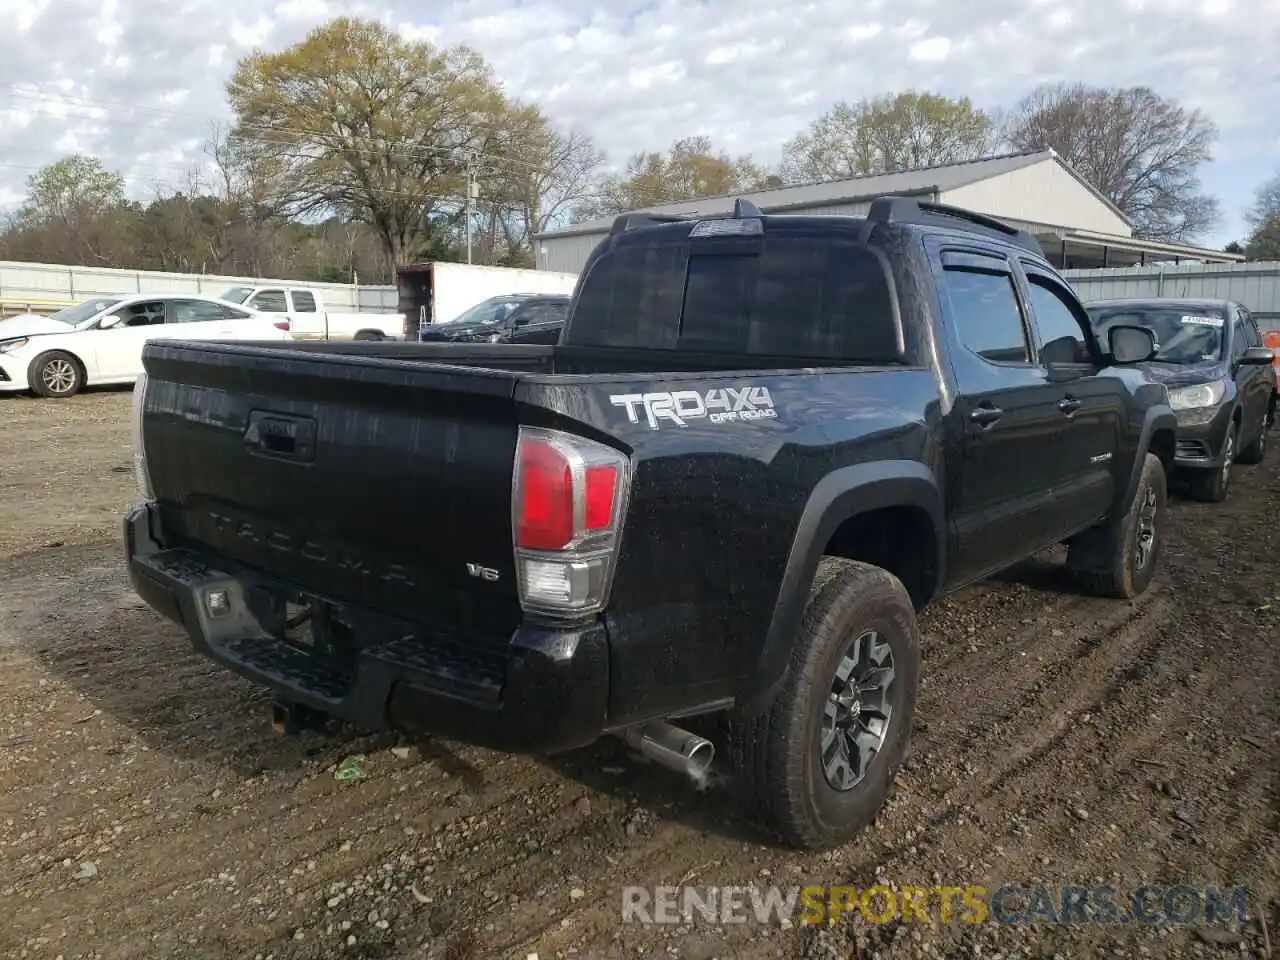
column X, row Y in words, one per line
column 531, row 176
column 1140, row 150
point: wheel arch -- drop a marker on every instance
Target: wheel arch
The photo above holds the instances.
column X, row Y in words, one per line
column 1157, row 435
column 848, row 514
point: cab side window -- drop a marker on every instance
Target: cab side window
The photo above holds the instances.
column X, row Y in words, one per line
column 537, row 314
column 1239, row 338
column 270, row 301
column 141, row 314
column 1063, row 336
column 1251, row 331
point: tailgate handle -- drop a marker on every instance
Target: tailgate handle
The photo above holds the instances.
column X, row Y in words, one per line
column 281, row 435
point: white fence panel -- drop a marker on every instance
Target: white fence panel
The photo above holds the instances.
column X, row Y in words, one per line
column 48, row 286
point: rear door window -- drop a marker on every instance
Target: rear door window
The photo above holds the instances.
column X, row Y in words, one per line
column 818, row 296
column 303, row 301
column 986, row 315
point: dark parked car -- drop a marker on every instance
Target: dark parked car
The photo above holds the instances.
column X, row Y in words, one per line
column 762, row 444
column 511, row 318
column 1221, row 386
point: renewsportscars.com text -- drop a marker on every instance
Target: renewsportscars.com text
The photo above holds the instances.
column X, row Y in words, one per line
column 1009, row 904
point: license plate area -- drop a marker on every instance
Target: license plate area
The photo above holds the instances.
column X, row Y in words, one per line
column 317, row 629
column 298, row 630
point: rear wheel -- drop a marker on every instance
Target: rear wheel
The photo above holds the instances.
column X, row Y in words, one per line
column 1256, row 451
column 817, row 763
column 55, row 374
column 369, row 335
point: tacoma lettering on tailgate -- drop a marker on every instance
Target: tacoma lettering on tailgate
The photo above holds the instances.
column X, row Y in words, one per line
column 321, row 554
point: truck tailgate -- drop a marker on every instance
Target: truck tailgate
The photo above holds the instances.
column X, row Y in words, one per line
column 365, row 481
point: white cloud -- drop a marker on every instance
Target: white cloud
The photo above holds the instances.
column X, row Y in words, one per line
column 863, row 31
column 933, row 50
column 640, row 73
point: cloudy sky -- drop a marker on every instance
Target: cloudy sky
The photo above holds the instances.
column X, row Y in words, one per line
column 139, row 82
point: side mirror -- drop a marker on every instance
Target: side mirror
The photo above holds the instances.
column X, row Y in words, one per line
column 1131, row 344
column 109, row 321
column 1257, row 356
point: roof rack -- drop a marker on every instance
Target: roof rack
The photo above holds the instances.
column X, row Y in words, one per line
column 630, row 221
column 742, row 209
column 923, row 213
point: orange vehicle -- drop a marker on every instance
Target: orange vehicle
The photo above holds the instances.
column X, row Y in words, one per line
column 1272, row 339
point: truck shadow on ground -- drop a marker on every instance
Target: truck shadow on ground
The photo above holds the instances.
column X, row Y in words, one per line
column 654, row 793
column 23, row 396
column 143, row 673
column 143, row 676
column 1046, row 572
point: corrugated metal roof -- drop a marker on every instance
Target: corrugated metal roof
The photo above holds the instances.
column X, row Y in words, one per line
column 945, row 177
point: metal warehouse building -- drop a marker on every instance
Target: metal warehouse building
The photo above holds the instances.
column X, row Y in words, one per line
column 1038, row 191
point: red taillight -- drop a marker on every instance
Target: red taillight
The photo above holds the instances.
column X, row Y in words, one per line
column 282, row 324
column 568, row 501
column 602, row 486
column 545, row 488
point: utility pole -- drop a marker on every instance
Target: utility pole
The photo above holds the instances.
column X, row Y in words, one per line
column 473, row 193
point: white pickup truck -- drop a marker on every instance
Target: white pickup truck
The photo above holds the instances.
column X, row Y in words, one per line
column 309, row 318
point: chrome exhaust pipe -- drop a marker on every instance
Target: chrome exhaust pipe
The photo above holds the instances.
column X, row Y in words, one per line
column 672, row 747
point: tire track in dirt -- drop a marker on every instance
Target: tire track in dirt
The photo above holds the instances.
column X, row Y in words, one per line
column 1012, row 679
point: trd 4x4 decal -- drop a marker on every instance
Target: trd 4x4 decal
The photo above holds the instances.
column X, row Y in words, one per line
column 680, row 406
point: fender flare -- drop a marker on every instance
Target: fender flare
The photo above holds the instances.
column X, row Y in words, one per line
column 839, row 496
column 1156, row 418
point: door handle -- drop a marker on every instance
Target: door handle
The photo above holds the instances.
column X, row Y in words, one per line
column 986, row 416
column 1068, row 405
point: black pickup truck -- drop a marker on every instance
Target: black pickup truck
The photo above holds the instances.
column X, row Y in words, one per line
column 761, row 446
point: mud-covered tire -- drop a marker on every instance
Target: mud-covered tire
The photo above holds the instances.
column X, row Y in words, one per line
column 1256, row 452
column 1212, row 486
column 778, row 751
column 55, row 375
column 1120, row 559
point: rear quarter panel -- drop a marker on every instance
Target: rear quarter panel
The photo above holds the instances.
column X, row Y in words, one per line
column 724, row 467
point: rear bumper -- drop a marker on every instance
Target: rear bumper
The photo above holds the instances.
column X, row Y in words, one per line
column 544, row 691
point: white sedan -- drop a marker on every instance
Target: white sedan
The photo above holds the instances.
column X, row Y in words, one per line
column 100, row 341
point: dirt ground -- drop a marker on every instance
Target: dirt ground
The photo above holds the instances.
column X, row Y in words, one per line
column 147, row 810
